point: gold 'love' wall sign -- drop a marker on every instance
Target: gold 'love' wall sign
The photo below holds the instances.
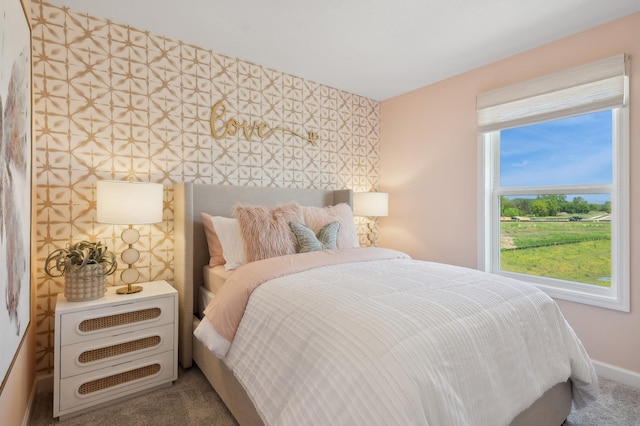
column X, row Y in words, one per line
column 221, row 128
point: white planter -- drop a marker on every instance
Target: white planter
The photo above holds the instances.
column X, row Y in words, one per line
column 86, row 283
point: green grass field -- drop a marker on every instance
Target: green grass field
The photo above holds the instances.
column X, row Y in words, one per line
column 574, row 251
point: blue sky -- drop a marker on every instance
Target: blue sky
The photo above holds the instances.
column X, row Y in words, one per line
column 575, row 150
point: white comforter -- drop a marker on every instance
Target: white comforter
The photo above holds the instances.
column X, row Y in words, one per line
column 401, row 342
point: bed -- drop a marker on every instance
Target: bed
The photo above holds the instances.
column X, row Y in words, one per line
column 191, row 254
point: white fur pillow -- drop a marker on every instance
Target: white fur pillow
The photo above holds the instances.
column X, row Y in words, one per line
column 265, row 230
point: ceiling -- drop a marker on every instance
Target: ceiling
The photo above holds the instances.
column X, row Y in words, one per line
column 373, row 48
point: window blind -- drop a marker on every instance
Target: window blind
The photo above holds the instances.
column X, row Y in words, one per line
column 591, row 87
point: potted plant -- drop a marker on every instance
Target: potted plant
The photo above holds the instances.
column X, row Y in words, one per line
column 85, row 266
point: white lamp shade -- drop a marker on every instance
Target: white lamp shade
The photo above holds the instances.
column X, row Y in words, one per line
column 370, row 204
column 129, row 203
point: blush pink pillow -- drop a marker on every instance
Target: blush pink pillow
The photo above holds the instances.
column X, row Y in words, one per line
column 215, row 248
column 265, row 230
column 317, row 217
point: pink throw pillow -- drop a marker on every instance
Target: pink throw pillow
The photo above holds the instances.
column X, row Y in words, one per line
column 317, row 217
column 265, row 230
column 215, row 248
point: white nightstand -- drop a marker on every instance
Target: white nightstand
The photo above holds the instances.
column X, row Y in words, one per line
column 110, row 348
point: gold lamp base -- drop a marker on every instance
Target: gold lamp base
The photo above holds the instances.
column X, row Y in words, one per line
column 372, row 235
column 129, row 289
column 130, row 256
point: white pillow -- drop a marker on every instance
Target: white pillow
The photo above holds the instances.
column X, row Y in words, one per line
column 228, row 232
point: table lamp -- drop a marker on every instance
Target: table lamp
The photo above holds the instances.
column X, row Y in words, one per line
column 129, row 203
column 371, row 205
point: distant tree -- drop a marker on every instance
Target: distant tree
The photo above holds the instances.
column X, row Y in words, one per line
column 548, row 205
column 580, row 205
column 504, row 204
column 568, row 207
column 540, row 207
column 552, row 203
column 559, row 198
column 508, row 207
column 511, row 212
column 523, row 205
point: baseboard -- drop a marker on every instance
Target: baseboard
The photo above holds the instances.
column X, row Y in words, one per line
column 620, row 375
column 32, row 398
column 45, row 383
column 41, row 384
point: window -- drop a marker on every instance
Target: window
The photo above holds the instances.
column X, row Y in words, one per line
column 554, row 192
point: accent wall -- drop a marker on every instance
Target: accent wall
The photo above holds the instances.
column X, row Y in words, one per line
column 116, row 102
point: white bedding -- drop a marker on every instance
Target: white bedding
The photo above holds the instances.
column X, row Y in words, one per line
column 214, row 278
column 400, row 342
column 204, row 298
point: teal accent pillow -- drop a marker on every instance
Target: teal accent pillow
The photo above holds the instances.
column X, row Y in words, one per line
column 307, row 240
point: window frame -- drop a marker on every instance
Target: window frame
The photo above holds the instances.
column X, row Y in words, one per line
column 615, row 297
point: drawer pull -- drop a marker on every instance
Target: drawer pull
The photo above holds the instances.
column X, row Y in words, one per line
column 119, row 349
column 95, row 324
column 118, row 379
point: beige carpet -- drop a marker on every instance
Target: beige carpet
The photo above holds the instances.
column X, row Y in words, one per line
column 192, row 401
column 617, row 405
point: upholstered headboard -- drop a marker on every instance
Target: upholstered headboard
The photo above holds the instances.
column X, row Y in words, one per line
column 190, row 244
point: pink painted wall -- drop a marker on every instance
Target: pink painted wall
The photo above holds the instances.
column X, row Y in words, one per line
column 15, row 397
column 16, row 393
column 429, row 165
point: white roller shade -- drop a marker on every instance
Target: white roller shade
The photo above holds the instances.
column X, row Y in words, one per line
column 591, row 87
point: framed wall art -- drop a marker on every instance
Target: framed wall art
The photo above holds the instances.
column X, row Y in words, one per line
column 15, row 180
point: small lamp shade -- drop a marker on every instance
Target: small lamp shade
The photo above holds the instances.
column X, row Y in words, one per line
column 129, row 203
column 371, row 204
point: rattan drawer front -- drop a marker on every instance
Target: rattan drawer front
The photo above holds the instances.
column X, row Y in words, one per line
column 86, row 356
column 93, row 325
column 109, row 383
column 104, row 322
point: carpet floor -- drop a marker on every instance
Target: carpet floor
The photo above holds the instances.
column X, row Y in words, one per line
column 192, row 401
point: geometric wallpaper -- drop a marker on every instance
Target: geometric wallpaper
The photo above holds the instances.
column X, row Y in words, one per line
column 115, row 102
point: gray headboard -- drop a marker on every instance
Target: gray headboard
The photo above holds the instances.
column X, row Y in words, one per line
column 190, row 244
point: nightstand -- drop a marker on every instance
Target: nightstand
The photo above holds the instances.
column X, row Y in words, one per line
column 113, row 347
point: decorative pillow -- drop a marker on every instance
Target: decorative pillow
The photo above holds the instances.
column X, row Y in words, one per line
column 307, row 240
column 265, row 231
column 215, row 249
column 316, row 217
column 228, row 231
